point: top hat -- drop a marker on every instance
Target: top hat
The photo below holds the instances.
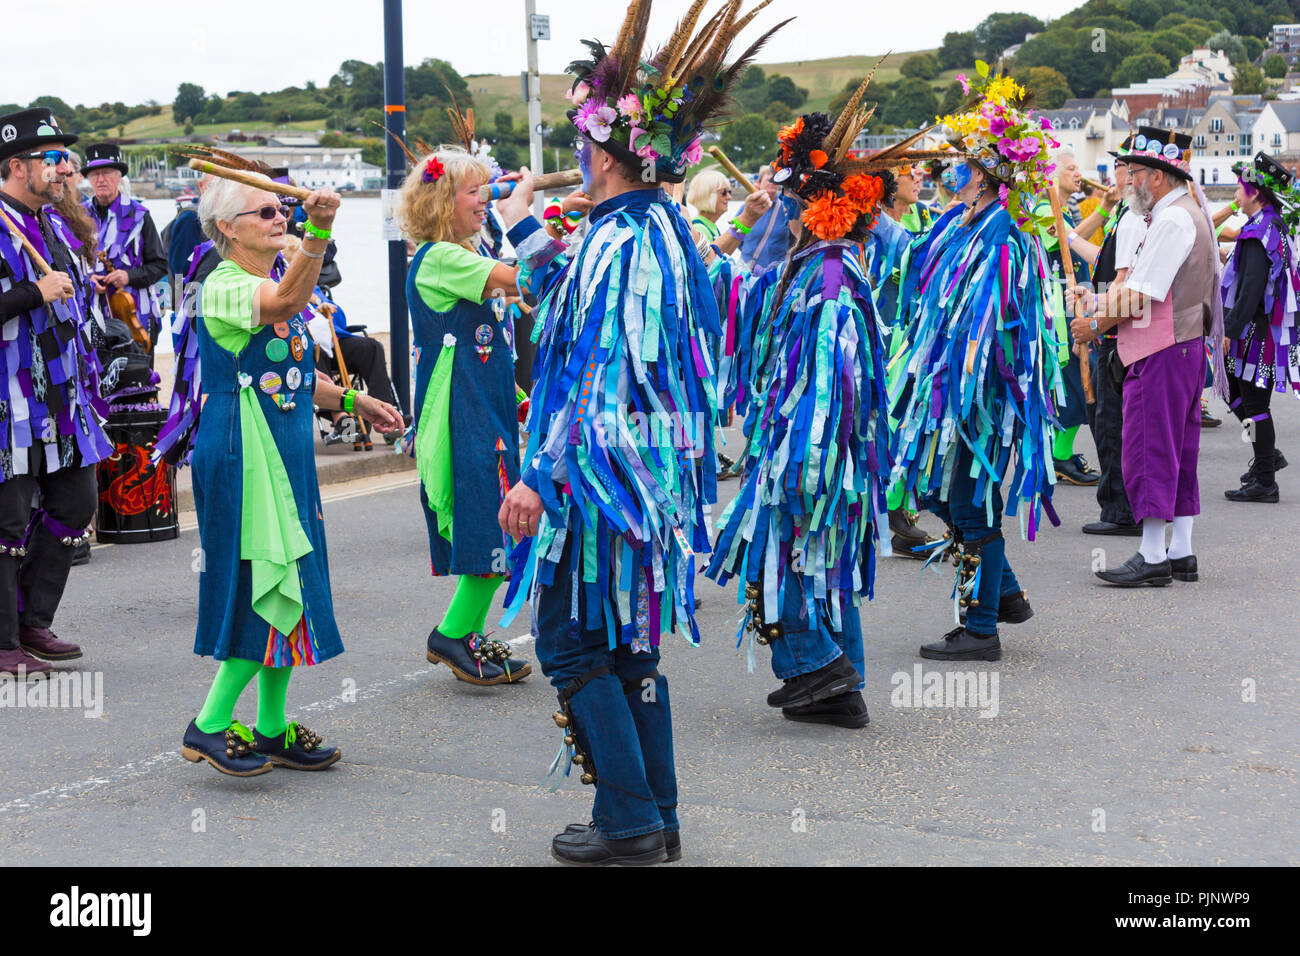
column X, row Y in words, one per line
column 28, row 130
column 1161, row 149
column 101, row 156
column 1266, row 174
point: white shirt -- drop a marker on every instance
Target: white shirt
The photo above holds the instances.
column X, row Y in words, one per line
column 1165, row 248
column 1130, row 232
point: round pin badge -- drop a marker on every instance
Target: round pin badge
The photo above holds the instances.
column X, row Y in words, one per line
column 782, row 174
column 281, row 329
column 293, row 378
column 269, row 383
column 1171, row 152
column 296, row 345
column 277, row 350
column 483, row 334
column 1139, row 142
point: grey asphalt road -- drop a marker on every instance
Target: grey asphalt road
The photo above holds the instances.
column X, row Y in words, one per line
column 1132, row 727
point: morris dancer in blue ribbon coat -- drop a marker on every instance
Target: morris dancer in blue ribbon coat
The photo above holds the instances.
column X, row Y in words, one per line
column 50, row 410
column 620, row 463
column 978, row 374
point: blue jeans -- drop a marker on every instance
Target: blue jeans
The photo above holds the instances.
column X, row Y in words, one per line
column 622, row 717
column 971, row 521
column 808, row 645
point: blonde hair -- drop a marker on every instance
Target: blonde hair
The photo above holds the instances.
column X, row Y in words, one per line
column 703, row 194
column 425, row 212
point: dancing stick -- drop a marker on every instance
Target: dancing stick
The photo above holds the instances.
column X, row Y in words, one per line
column 543, row 182
column 741, row 179
column 1067, row 263
column 249, row 178
column 31, row 250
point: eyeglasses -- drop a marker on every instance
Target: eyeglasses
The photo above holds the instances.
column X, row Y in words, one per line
column 52, row 157
column 267, row 212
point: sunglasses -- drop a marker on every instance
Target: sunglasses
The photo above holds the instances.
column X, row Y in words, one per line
column 52, row 157
column 267, row 212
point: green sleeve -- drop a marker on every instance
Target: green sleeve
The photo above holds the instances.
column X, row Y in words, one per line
column 449, row 273
column 228, row 297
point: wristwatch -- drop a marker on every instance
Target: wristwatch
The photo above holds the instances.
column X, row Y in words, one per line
column 1093, row 325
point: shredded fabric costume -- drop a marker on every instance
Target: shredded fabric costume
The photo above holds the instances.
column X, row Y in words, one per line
column 121, row 237
column 1266, row 360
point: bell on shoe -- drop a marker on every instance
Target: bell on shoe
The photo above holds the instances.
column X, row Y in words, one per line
column 476, row 659
column 298, row 748
column 16, row 661
column 672, row 839
column 1137, row 572
column 41, row 642
column 1255, row 490
column 230, row 751
column 835, row 678
column 587, row 847
column 1076, row 471
column 844, row 710
column 960, row 644
column 1279, row 462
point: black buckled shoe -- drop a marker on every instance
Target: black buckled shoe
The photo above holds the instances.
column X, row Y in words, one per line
column 837, row 677
column 1136, row 572
column 672, row 839
column 586, row 847
column 1110, row 527
column 1184, row 569
column 1279, row 462
column 1254, row 490
column 1076, row 471
column 476, row 659
column 230, row 751
column 960, row 644
column 297, row 748
column 844, row 710
column 1012, row 609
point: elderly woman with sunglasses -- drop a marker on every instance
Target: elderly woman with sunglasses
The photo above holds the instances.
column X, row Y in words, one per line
column 264, row 587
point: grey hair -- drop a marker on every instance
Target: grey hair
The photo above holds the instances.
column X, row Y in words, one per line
column 222, row 200
column 74, row 157
column 1062, row 153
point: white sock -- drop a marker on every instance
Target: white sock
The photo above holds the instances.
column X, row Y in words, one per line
column 1153, row 540
column 1180, row 542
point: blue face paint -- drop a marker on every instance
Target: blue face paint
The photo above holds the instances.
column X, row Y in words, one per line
column 584, row 164
column 961, row 178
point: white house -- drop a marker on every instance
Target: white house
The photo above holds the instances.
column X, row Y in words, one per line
column 1092, row 129
column 1277, row 130
column 331, row 173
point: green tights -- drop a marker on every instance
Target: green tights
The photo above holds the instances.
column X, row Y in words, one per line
column 468, row 611
column 1063, row 446
column 233, row 676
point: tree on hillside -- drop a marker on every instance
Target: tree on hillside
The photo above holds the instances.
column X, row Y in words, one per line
column 1275, row 67
column 912, row 104
column 782, row 89
column 749, row 141
column 61, row 110
column 1139, row 68
column 998, row 31
column 1254, row 47
column 1144, row 13
column 958, row 51
column 1249, row 79
column 779, row 113
column 920, row 65
column 188, row 103
column 1170, row 44
column 1050, row 87
column 1230, row 44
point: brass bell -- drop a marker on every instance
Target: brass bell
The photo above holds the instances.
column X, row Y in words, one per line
column 229, row 752
column 560, row 719
column 751, row 592
column 975, row 603
column 580, row 759
column 965, row 602
column 570, row 740
column 975, row 559
column 588, row 778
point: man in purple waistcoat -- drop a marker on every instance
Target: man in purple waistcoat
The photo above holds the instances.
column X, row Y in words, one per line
column 51, row 416
column 1162, row 311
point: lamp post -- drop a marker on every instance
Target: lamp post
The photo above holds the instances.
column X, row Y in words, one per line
column 395, row 164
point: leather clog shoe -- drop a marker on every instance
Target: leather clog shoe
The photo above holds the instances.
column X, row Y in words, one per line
column 588, row 848
column 672, row 839
column 1137, row 572
column 297, row 748
column 230, row 750
column 837, row 677
column 960, row 644
column 844, row 710
column 41, row 642
column 1076, row 471
column 1111, row 527
column 477, row 659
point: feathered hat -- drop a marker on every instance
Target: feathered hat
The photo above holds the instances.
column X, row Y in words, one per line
column 840, row 192
column 652, row 111
column 1002, row 134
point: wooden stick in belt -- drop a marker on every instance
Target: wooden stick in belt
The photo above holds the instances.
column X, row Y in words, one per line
column 1067, row 264
column 560, row 180
column 249, row 178
column 741, row 179
column 31, row 250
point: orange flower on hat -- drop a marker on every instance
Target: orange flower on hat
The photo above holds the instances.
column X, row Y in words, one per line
column 830, row 215
column 818, row 158
column 864, row 190
column 791, row 132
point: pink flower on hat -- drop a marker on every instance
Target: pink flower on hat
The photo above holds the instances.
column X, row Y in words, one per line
column 600, row 123
column 965, row 83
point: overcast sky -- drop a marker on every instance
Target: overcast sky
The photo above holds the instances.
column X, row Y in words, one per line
column 135, row 51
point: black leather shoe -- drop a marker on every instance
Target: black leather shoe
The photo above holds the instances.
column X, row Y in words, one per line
column 476, row 659
column 960, row 644
column 230, row 751
column 844, row 710
column 1254, row 490
column 81, row 554
column 1136, row 572
column 1076, row 471
column 586, row 847
column 1183, row 569
column 837, row 677
column 1279, row 462
column 1208, row 420
column 1012, row 609
column 672, row 839
column 905, row 535
column 297, row 748
column 1110, row 527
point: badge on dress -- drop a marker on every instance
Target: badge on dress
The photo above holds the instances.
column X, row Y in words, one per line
column 281, row 329
column 269, row 383
column 296, row 345
column 483, row 335
column 306, row 380
column 277, row 350
column 293, row 378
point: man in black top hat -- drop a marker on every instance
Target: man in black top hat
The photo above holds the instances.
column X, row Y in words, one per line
column 127, row 235
column 52, row 435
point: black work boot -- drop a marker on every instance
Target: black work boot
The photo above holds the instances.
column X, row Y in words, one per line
column 905, row 536
column 1279, row 462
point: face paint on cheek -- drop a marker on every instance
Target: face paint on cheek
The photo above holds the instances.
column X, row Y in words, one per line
column 584, row 165
column 961, row 178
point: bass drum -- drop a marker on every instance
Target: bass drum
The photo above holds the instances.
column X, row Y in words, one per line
column 137, row 499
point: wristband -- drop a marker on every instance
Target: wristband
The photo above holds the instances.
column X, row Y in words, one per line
column 740, row 227
column 1234, row 207
column 349, row 401
column 731, row 231
column 310, row 255
column 315, row 231
column 1071, row 236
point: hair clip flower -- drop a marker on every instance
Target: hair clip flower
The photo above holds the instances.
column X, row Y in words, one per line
column 433, row 170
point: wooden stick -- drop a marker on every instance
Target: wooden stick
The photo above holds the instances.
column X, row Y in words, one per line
column 741, row 179
column 249, row 178
column 1093, row 184
column 31, row 250
column 347, row 379
column 1067, row 264
column 542, row 182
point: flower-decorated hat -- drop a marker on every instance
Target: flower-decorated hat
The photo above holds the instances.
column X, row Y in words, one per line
column 1005, row 138
column 1161, row 149
column 841, row 195
column 649, row 113
column 1274, row 182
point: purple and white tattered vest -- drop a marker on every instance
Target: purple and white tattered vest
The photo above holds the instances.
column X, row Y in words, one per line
column 121, row 236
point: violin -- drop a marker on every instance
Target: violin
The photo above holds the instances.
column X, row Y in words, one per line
column 122, row 307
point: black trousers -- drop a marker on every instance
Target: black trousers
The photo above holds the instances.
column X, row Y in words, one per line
column 1250, row 403
column 69, row 496
column 365, row 357
column 1107, row 431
